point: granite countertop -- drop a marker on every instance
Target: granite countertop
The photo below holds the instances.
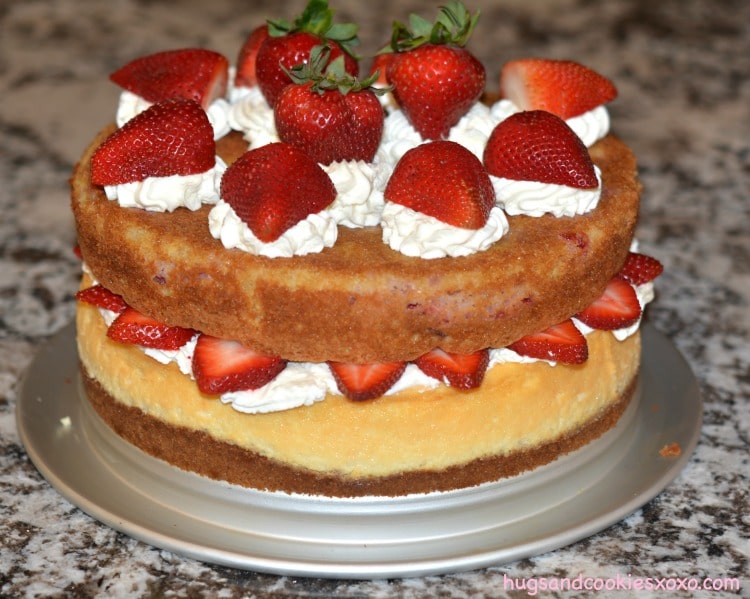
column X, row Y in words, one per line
column 682, row 68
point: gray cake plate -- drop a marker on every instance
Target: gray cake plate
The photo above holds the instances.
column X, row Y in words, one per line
column 365, row 538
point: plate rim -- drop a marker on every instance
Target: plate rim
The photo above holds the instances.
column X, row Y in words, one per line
column 658, row 352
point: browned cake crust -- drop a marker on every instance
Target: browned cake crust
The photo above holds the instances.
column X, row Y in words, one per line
column 359, row 301
column 227, row 462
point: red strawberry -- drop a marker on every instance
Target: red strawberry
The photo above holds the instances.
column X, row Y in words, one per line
column 562, row 87
column 138, row 329
column 379, row 67
column 559, row 343
column 329, row 114
column 639, row 269
column 435, row 79
column 101, row 297
column 366, row 381
column 222, row 366
column 463, row 371
column 289, row 44
column 444, row 180
column 173, row 137
column 617, row 308
column 539, row 146
column 273, row 187
column 246, row 75
column 191, row 73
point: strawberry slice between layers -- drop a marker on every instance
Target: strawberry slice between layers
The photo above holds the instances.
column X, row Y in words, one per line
column 190, row 73
column 562, row 343
column 539, row 146
column 223, row 366
column 173, row 137
column 562, row 87
column 101, row 297
column 462, row 371
column 618, row 307
column 640, row 269
column 135, row 328
column 360, row 382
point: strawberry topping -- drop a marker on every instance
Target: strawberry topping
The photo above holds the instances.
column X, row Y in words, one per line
column 463, row 371
column 274, row 187
column 444, row 180
column 101, row 297
column 539, row 146
column 640, row 269
column 360, row 382
column 173, row 137
column 135, row 328
column 246, row 75
column 562, row 343
column 616, row 308
column 562, row 87
column 222, row 366
column 191, row 73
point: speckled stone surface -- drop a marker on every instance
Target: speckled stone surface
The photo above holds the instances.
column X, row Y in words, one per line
column 682, row 68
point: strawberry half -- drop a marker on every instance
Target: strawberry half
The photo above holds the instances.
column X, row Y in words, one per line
column 562, row 343
column 539, row 146
column 190, row 73
column 173, row 137
column 444, row 180
column 289, row 44
column 273, row 187
column 246, row 74
column 463, row 371
column 435, row 78
column 327, row 113
column 135, row 328
column 562, row 87
column 360, row 382
column 101, row 297
column 222, row 366
column 640, row 269
column 616, row 308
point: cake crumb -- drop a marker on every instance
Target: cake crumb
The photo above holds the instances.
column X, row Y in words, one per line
column 670, row 451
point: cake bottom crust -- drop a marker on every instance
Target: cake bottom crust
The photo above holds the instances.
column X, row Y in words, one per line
column 523, row 416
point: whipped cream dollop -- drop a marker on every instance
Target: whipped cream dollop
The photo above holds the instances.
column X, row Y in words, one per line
column 250, row 114
column 359, row 193
column 534, row 198
column 166, row 194
column 130, row 105
column 310, row 235
column 419, row 235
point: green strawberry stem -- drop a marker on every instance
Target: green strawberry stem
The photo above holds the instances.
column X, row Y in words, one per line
column 454, row 25
column 328, row 76
column 317, row 19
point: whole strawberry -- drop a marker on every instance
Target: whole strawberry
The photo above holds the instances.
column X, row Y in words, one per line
column 435, row 79
column 444, row 180
column 289, row 44
column 274, row 187
column 539, row 146
column 329, row 114
column 173, row 137
column 190, row 73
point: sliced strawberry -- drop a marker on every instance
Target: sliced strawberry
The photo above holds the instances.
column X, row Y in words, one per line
column 246, row 75
column 77, row 251
column 640, row 269
column 380, row 66
column 135, row 328
column 101, row 297
column 173, row 137
column 618, row 307
column 562, row 343
column 191, row 73
column 562, row 87
column 366, row 381
column 273, row 187
column 463, row 371
column 539, row 146
column 444, row 180
column 222, row 366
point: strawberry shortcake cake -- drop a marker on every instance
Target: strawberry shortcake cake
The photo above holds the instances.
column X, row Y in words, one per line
column 301, row 278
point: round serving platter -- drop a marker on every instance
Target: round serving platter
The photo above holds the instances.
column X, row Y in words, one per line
column 366, row 538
